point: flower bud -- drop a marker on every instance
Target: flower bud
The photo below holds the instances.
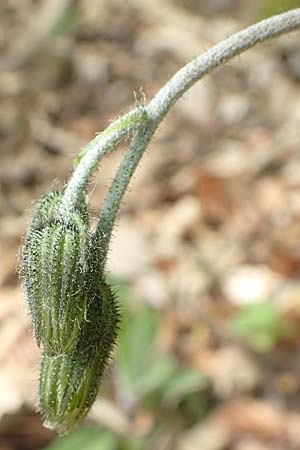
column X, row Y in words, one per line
column 55, row 269
column 69, row 383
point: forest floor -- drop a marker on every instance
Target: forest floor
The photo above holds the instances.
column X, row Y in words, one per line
column 208, row 237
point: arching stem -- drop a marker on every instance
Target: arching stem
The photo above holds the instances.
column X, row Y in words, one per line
column 172, row 91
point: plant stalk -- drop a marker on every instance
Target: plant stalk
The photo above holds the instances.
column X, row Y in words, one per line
column 145, row 120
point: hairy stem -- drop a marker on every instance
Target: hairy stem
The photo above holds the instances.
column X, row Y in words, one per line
column 218, row 55
column 91, row 155
column 173, row 90
column 120, row 183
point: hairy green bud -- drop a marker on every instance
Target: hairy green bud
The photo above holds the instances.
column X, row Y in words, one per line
column 74, row 311
column 56, row 258
column 70, row 382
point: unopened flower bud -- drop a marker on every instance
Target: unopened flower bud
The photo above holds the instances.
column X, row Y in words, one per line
column 69, row 383
column 55, row 269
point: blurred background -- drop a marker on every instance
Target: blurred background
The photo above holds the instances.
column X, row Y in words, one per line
column 206, row 254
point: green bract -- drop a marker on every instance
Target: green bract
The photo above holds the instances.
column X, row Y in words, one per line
column 56, row 272
column 74, row 312
column 69, row 383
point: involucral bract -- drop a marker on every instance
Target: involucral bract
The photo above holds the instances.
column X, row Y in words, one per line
column 73, row 310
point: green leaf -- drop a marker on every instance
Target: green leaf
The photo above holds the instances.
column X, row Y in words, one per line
column 261, row 324
column 184, row 382
column 148, row 373
column 133, row 443
column 86, row 438
column 137, row 337
column 157, row 377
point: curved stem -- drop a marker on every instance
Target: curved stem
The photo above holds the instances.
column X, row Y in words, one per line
column 119, row 185
column 172, row 91
column 91, row 155
column 218, row 55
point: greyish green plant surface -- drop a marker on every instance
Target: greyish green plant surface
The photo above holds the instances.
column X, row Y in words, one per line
column 73, row 309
